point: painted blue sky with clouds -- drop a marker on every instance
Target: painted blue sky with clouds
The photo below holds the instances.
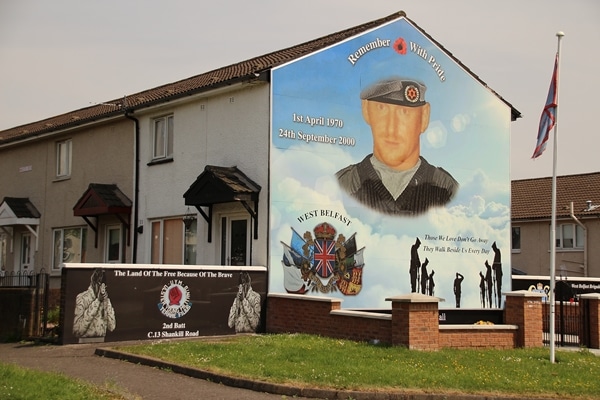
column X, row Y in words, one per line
column 468, row 135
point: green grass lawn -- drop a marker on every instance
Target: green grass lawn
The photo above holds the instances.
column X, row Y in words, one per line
column 317, row 362
column 17, row 383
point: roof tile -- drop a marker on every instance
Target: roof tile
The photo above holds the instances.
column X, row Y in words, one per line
column 532, row 198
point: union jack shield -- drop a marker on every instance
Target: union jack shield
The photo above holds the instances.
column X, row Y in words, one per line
column 324, row 257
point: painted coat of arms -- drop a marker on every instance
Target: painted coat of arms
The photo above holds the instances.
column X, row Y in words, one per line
column 323, row 263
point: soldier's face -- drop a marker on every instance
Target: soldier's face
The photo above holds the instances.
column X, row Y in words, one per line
column 396, row 132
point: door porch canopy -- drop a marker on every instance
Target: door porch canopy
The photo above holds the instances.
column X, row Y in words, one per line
column 103, row 199
column 19, row 211
column 223, row 185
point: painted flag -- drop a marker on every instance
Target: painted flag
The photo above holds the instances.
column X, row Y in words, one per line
column 548, row 118
column 292, row 280
column 300, row 246
column 291, row 257
column 292, row 273
column 350, row 245
column 324, row 257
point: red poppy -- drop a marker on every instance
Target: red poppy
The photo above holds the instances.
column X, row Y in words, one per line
column 400, row 46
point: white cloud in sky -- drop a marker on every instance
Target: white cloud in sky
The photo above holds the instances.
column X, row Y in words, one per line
column 435, row 135
column 468, row 228
column 460, row 122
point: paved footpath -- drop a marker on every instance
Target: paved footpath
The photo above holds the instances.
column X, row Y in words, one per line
column 133, row 380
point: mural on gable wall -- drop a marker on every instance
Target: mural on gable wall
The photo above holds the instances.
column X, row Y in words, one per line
column 389, row 175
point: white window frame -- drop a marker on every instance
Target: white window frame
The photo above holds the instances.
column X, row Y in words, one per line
column 108, row 243
column 64, row 150
column 162, row 137
column 58, row 248
column 576, row 239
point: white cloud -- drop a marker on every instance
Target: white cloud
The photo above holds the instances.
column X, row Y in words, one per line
column 454, row 238
column 460, row 122
column 436, row 135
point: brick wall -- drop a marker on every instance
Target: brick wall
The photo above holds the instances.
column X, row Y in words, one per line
column 323, row 316
column 477, row 337
column 413, row 322
column 593, row 309
column 524, row 309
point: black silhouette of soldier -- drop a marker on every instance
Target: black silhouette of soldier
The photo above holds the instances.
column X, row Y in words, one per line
column 489, row 283
column 482, row 288
column 431, row 283
column 424, row 276
column 458, row 288
column 415, row 264
column 497, row 267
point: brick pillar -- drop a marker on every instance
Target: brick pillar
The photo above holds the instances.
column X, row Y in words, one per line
column 524, row 309
column 415, row 321
column 593, row 309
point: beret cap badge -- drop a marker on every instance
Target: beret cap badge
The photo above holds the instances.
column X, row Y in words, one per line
column 399, row 91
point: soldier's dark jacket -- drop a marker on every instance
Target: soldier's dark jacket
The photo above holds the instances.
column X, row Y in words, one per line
column 429, row 187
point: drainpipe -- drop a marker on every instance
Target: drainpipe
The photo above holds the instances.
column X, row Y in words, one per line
column 585, row 246
column 136, row 188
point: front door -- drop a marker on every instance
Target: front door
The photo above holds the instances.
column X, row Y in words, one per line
column 235, row 240
column 26, row 263
column 113, row 244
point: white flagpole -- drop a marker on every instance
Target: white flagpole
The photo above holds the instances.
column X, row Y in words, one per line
column 553, row 225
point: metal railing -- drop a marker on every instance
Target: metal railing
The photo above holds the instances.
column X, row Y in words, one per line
column 21, row 278
column 38, row 284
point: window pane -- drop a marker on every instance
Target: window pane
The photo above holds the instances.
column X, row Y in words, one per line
column 25, row 250
column 239, row 237
column 169, row 151
column 159, row 138
column 580, row 237
column 63, row 158
column 72, row 245
column 83, row 247
column 114, row 245
column 224, row 258
column 58, row 249
column 516, row 238
column 155, row 258
column 190, row 244
column 173, row 241
column 3, row 245
column 567, row 236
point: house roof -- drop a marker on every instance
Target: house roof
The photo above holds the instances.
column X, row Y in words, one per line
column 251, row 69
column 532, row 198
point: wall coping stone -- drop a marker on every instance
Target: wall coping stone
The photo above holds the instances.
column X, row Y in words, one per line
column 524, row 293
column 305, row 297
column 362, row 314
column 591, row 296
column 415, row 298
column 473, row 327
